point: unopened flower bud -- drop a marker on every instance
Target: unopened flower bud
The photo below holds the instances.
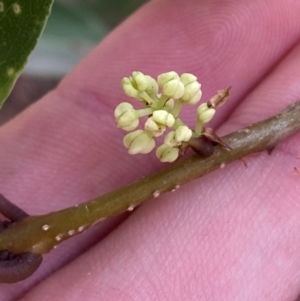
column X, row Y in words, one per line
column 171, row 84
column 166, row 77
column 163, row 117
column 192, row 93
column 122, row 108
column 139, row 80
column 183, row 133
column 134, row 84
column 170, row 139
column 187, row 78
column 205, row 113
column 139, row 141
column 128, row 121
column 155, row 128
column 192, row 89
column 152, row 86
column 166, row 153
column 126, row 116
column 174, row 88
column 128, row 88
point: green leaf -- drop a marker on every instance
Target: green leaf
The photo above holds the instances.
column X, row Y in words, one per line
column 21, row 24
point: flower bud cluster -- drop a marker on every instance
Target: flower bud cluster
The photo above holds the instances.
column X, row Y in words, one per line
column 162, row 101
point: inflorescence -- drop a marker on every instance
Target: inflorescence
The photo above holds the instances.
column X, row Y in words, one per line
column 163, row 100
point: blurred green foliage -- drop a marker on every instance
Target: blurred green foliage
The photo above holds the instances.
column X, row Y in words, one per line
column 73, row 29
column 115, row 11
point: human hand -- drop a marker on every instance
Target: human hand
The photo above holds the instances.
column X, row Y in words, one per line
column 231, row 235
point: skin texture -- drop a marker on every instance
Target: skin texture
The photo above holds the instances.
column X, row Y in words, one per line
column 232, row 235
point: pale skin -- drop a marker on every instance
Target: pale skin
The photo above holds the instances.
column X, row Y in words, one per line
column 232, row 235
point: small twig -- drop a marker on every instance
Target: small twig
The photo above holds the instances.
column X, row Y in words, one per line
column 39, row 234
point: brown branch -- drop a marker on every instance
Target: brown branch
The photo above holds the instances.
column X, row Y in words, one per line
column 39, row 234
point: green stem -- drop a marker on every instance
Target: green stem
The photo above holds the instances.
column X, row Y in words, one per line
column 177, row 108
column 39, row 234
column 178, row 122
column 151, row 102
column 198, row 128
column 144, row 112
column 162, row 101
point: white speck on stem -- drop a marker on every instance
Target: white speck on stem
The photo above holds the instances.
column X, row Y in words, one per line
column 222, row 165
column 58, row 237
column 156, row 193
column 46, row 227
column 130, row 208
column 81, row 228
column 71, row 232
column 175, row 188
column 17, row 8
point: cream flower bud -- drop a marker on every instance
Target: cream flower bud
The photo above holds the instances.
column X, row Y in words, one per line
column 183, row 133
column 135, row 84
column 122, row 108
column 126, row 117
column 152, row 86
column 128, row 121
column 128, row 87
column 163, row 117
column 173, row 88
column 139, row 141
column 187, row 78
column 192, row 92
column 139, row 80
column 170, row 139
column 205, row 113
column 195, row 98
column 163, row 78
column 166, row 153
column 155, row 128
column 171, row 84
